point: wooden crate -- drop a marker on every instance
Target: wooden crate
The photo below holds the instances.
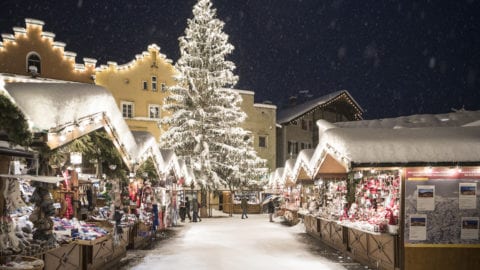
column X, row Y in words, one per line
column 378, row 250
column 325, row 229
column 142, row 235
column 311, row 225
column 333, row 234
column 381, row 250
column 66, row 257
column 125, row 236
column 97, row 253
column 358, row 244
column 337, row 236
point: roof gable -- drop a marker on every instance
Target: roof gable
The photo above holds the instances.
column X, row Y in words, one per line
column 292, row 113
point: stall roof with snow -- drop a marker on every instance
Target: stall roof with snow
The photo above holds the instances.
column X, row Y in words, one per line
column 366, row 146
column 53, row 106
column 147, row 147
column 452, row 119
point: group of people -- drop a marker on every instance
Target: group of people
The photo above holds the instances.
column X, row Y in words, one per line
column 186, row 206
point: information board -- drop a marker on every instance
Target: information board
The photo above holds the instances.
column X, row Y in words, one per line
column 442, row 206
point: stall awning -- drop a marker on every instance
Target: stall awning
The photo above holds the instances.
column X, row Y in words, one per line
column 14, row 151
column 44, row 179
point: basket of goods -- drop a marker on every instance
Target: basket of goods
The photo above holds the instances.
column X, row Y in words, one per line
column 20, row 263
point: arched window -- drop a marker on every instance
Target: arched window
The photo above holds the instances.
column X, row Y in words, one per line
column 34, row 63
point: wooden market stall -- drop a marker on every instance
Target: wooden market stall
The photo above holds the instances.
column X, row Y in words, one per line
column 231, row 202
column 410, row 199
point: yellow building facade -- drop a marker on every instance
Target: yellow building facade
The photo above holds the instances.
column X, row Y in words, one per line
column 33, row 52
column 139, row 88
column 261, row 122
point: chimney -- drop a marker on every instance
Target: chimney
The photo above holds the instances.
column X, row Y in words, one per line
column 292, row 101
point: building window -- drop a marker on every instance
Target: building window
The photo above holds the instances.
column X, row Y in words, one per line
column 34, row 66
column 310, row 125
column 292, row 148
column 262, row 141
column 302, row 146
column 144, row 85
column 154, row 111
column 154, row 83
column 163, row 87
column 127, row 109
column 304, row 124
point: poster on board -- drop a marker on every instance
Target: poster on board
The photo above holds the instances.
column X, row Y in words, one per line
column 418, row 227
column 467, row 193
column 469, row 228
column 425, row 197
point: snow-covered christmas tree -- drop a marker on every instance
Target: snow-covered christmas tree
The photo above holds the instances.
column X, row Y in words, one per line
column 205, row 116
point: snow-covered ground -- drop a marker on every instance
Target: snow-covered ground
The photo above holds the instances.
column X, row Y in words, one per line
column 234, row 243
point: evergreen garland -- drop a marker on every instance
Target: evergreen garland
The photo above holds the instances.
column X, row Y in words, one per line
column 13, row 123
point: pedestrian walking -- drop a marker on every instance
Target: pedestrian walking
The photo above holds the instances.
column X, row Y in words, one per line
column 244, row 205
column 187, row 208
column 271, row 209
column 195, row 207
column 183, row 211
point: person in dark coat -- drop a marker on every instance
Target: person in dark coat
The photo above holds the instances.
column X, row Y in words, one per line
column 271, row 209
column 244, row 205
column 183, row 211
column 195, row 209
column 187, row 209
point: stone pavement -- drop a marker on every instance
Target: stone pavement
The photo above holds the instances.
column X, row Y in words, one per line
column 233, row 243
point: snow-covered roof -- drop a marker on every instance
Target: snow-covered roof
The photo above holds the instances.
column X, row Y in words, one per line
column 48, row 104
column 453, row 119
column 301, row 169
column 289, row 114
column 180, row 169
column 365, row 145
column 288, row 176
column 147, row 147
column 276, row 177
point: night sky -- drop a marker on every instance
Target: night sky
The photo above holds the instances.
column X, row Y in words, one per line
column 396, row 57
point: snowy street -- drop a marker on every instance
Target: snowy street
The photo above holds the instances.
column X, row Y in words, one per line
column 235, row 243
